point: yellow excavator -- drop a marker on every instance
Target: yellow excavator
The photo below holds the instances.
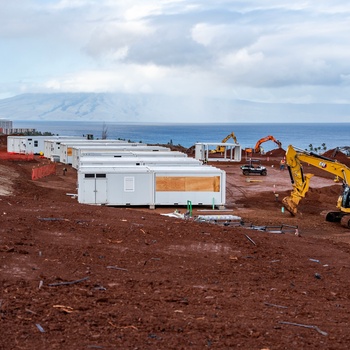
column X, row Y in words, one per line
column 221, row 149
column 301, row 182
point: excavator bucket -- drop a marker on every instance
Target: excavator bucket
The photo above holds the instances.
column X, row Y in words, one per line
column 290, row 205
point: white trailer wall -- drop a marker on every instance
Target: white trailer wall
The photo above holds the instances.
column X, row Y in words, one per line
column 30, row 144
column 80, row 155
column 146, row 185
column 78, row 151
column 116, row 186
column 138, row 161
column 52, row 147
column 66, row 149
column 14, row 143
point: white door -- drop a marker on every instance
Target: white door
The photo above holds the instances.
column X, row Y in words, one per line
column 95, row 189
column 101, row 189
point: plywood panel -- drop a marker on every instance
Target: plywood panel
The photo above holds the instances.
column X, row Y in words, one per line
column 187, row 184
column 170, row 183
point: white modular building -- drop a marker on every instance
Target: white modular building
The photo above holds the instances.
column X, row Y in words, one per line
column 66, row 149
column 53, row 147
column 117, row 151
column 79, row 154
column 152, row 186
column 139, row 161
column 31, row 144
column 232, row 152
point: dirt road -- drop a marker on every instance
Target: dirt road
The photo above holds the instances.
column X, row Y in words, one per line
column 85, row 277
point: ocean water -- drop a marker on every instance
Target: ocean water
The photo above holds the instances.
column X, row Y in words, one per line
column 298, row 135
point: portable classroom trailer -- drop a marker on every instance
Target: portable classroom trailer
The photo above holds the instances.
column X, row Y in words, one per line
column 30, row 144
column 139, row 161
column 152, row 186
column 78, row 151
column 53, row 147
column 81, row 154
column 232, row 153
column 16, row 144
column 66, row 149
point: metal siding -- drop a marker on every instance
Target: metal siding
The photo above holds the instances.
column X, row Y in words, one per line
column 118, row 194
column 145, row 185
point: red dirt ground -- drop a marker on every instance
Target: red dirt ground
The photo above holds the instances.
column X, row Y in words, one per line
column 88, row 277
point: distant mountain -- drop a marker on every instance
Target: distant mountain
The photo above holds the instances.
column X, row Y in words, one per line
column 159, row 108
column 73, row 106
column 110, row 107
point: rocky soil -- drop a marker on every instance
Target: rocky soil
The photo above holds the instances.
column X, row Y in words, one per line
column 74, row 276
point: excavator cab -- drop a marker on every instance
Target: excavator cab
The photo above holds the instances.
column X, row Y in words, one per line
column 345, row 198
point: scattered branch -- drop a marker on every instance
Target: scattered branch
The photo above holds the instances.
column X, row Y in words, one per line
column 67, row 283
column 250, row 240
column 305, row 326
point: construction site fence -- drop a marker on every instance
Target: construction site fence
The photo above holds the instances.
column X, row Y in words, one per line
column 16, row 156
column 46, row 170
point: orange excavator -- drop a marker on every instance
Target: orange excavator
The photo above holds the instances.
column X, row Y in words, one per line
column 257, row 148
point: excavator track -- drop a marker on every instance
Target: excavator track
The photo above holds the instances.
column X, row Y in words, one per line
column 345, row 221
column 333, row 216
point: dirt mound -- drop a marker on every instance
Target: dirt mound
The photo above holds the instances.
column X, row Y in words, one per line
column 3, row 140
column 278, row 152
column 338, row 156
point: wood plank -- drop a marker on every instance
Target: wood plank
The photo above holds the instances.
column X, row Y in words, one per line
column 187, row 184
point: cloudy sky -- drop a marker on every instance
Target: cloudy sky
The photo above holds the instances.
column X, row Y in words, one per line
column 256, row 50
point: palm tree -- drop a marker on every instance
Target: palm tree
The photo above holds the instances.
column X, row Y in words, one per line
column 104, row 131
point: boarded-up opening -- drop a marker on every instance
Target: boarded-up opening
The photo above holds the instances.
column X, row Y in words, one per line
column 188, row 184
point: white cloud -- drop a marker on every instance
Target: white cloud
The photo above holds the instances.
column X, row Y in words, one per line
column 135, row 79
column 141, row 11
column 72, row 4
column 116, row 37
column 269, row 51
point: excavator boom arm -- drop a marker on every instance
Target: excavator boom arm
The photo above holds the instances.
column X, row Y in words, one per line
column 301, row 181
column 220, row 149
column 229, row 136
column 294, row 157
column 264, row 139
